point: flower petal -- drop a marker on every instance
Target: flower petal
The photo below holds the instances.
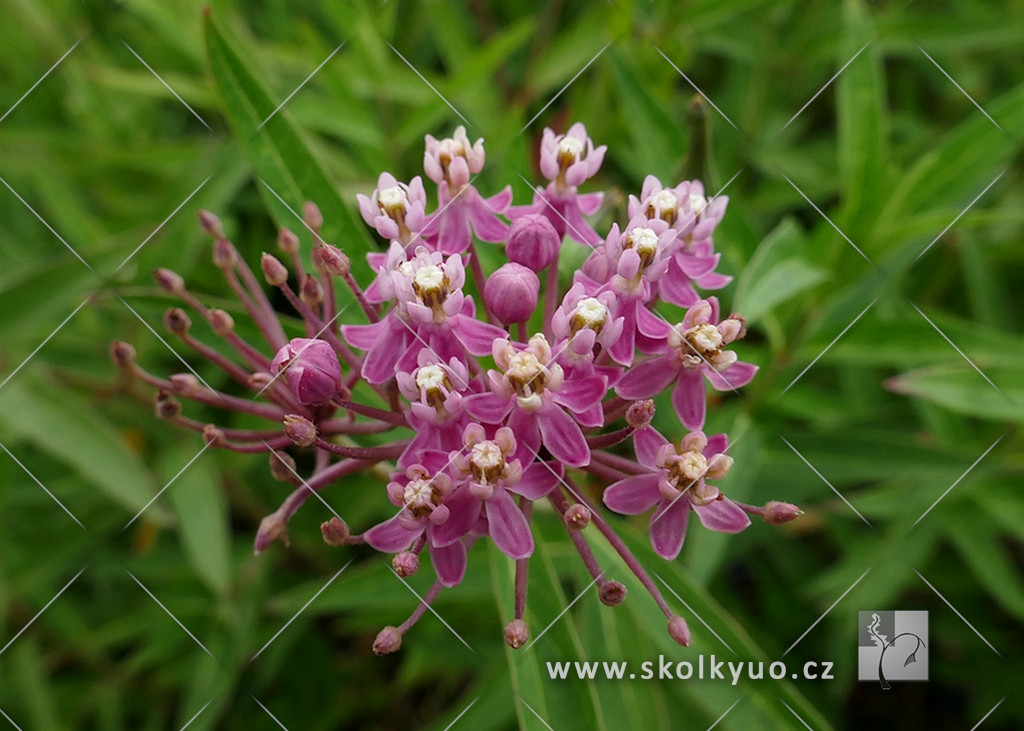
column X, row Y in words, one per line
column 463, row 511
column 723, row 515
column 633, row 495
column 647, row 379
column 508, row 527
column 562, row 436
column 487, row 407
column 538, row 480
column 668, row 527
column 475, row 335
column 690, row 399
column 647, row 442
column 449, row 563
column 735, row 376
column 580, row 393
column 391, row 536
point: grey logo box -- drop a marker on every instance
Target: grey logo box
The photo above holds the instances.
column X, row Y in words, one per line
column 892, row 646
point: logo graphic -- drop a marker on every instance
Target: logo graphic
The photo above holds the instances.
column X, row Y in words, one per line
column 892, row 647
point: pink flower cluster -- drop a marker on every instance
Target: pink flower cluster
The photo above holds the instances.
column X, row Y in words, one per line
column 499, row 394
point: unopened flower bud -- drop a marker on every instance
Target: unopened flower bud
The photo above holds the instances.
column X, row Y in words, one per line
column 312, row 216
column 300, row 430
column 177, row 321
column 282, row 467
column 388, row 640
column 287, row 241
column 640, row 413
column 612, row 593
column 122, row 353
column 679, row 631
column 221, row 322
column 517, row 634
column 311, row 367
column 331, row 260
column 167, row 407
column 311, row 292
column 184, row 384
column 274, row 271
column 169, row 281
column 225, row 255
column 334, row 531
column 214, row 435
column 406, row 563
column 211, row 224
column 577, row 517
column 776, row 513
column 271, row 528
column 732, row 328
column 511, row 293
column 533, row 242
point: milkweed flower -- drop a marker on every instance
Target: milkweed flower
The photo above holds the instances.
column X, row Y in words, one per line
column 463, row 420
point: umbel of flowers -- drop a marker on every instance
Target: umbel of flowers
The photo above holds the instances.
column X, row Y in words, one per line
column 520, row 395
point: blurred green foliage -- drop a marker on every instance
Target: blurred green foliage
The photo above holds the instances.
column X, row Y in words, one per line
column 104, row 169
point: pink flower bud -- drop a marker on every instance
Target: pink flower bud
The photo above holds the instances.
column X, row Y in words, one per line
column 640, row 413
column 211, row 224
column 679, row 631
column 311, row 292
column 287, row 241
column 214, row 436
column 225, row 255
column 312, row 216
column 282, row 468
column 511, row 293
column 577, row 517
column 167, row 407
column 312, row 369
column 271, row 528
column 533, row 242
column 300, row 430
column 517, row 634
column 406, row 563
column 388, row 640
column 177, row 321
column 613, row 593
column 185, row 384
column 776, row 513
column 221, row 322
column 334, row 531
column 331, row 260
column 275, row 272
column 122, row 354
column 169, row 281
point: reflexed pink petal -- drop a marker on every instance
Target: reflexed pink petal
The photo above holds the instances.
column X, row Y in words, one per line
column 487, row 407
column 364, row 336
column 647, row 379
column 390, row 536
column 464, row 509
column 633, row 495
column 577, row 228
column 713, row 280
column 652, row 326
column 717, row 444
column 735, row 376
column 449, row 563
column 508, row 527
column 694, row 266
column 381, row 359
column 646, row 443
column 562, row 436
column 668, row 527
column 690, row 399
column 623, row 350
column 486, row 224
column 594, row 416
column 675, row 287
column 589, row 202
column 475, row 335
column 524, row 425
column 538, row 480
column 722, row 515
column 578, row 394
column 499, row 202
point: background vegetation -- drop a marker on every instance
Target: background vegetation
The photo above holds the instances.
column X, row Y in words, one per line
column 101, row 159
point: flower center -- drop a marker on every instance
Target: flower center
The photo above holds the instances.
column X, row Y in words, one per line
column 391, row 200
column 569, row 150
column 433, row 383
column 663, row 205
column 645, row 241
column 590, row 313
column 525, row 373
column 421, row 496
column 431, row 285
column 697, row 204
column 486, row 462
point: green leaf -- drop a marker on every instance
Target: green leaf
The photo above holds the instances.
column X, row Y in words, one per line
column 965, row 391
column 70, row 429
column 279, row 155
column 980, row 548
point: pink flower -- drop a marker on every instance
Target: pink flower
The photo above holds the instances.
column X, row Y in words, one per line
column 436, row 392
column 312, row 369
column 676, row 481
column 693, row 350
column 584, row 322
column 492, row 477
column 396, row 210
column 511, row 293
